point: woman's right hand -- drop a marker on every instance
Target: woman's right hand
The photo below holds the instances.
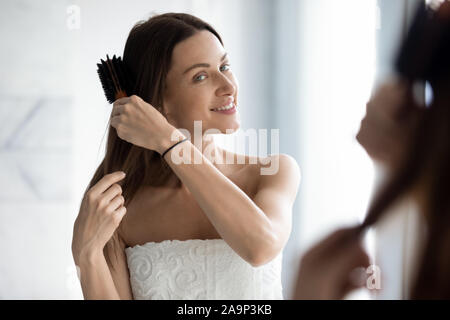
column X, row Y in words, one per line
column 101, row 212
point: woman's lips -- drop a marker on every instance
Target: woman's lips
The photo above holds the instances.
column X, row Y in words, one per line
column 229, row 111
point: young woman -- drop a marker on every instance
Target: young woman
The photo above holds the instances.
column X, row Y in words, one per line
column 208, row 229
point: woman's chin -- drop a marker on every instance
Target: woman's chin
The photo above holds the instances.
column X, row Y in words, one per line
column 224, row 127
column 231, row 129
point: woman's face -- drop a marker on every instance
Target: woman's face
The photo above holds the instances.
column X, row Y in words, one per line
column 193, row 91
column 382, row 134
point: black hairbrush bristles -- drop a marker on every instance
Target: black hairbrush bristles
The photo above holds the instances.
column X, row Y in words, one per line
column 114, row 78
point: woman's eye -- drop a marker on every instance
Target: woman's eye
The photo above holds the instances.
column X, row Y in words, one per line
column 198, row 78
column 226, row 65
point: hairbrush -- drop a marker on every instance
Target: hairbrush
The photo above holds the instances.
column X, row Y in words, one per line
column 114, row 78
column 424, row 52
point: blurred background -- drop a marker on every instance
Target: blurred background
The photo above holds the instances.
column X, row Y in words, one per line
column 305, row 67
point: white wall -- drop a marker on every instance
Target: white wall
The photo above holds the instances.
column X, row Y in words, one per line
column 36, row 111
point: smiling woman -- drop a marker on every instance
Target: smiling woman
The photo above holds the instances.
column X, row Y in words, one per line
column 164, row 77
column 208, row 230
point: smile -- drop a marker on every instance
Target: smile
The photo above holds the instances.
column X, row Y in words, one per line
column 229, row 109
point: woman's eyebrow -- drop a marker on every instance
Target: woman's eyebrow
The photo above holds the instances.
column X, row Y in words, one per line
column 199, row 65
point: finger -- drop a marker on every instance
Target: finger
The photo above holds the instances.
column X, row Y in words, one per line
column 357, row 277
column 117, row 216
column 349, row 269
column 362, row 258
column 117, row 110
column 114, row 121
column 350, row 286
column 121, row 101
column 104, row 183
column 352, row 255
column 116, row 202
column 121, row 211
column 352, row 262
column 112, row 192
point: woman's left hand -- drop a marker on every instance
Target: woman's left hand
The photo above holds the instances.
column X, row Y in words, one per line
column 326, row 269
column 139, row 123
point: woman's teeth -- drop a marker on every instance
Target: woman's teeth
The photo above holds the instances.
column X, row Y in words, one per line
column 225, row 108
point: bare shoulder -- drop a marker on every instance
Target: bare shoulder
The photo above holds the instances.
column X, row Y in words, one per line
column 277, row 170
column 274, row 165
column 280, row 172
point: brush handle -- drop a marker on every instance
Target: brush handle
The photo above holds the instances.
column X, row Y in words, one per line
column 121, row 94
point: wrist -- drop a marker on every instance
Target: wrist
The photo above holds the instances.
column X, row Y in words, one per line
column 172, row 135
column 89, row 256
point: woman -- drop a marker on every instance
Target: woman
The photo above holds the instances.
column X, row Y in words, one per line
column 169, row 230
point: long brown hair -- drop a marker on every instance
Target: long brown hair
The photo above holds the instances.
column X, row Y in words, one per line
column 147, row 60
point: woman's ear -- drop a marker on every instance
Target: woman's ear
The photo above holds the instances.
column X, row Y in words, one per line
column 165, row 101
column 166, row 112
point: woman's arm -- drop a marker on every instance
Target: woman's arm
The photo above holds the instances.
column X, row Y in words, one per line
column 95, row 277
column 95, row 239
column 256, row 230
column 104, row 275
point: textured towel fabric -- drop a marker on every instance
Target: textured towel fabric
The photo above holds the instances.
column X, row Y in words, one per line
column 199, row 269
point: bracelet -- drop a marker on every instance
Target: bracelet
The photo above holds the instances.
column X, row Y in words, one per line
column 173, row 146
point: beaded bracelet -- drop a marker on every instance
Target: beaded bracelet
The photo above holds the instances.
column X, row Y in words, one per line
column 173, row 146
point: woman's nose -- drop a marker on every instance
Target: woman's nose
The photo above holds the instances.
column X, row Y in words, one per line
column 226, row 85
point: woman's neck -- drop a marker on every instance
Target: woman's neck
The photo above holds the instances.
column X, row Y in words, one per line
column 208, row 147
column 210, row 151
